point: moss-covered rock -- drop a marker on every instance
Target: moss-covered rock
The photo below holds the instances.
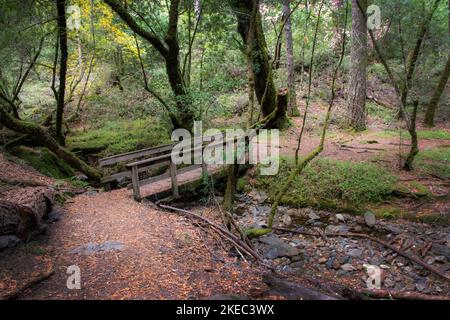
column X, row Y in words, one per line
column 44, row 161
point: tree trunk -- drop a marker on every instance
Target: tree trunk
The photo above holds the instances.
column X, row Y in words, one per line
column 262, row 73
column 432, row 106
column 169, row 49
column 42, row 136
column 414, row 150
column 337, row 38
column 358, row 68
column 62, row 35
column 292, row 104
column 230, row 190
column 277, row 55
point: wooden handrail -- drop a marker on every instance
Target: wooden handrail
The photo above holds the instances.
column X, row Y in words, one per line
column 136, row 167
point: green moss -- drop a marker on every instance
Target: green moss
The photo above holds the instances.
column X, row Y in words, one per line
column 331, row 184
column 119, row 136
column 44, row 161
column 388, row 212
column 242, row 184
column 435, row 161
column 254, row 232
column 436, row 134
column 431, row 219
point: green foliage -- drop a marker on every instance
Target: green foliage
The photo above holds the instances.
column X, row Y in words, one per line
column 435, row 161
column 44, row 161
column 120, row 136
column 387, row 116
column 329, row 183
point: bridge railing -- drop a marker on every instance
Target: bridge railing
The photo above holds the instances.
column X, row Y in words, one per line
column 138, row 166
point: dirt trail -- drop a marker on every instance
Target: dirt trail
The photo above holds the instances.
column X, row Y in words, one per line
column 162, row 255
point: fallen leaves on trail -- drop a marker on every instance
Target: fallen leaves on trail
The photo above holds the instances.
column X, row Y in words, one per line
column 164, row 255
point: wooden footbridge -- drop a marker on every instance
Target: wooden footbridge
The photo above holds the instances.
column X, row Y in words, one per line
column 140, row 167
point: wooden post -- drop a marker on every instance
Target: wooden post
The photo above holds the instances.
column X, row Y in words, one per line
column 173, row 177
column 204, row 165
column 204, row 168
column 135, row 180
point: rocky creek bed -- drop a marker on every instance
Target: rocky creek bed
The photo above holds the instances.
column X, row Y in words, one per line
column 345, row 260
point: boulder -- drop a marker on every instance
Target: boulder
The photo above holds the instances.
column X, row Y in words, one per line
column 278, row 248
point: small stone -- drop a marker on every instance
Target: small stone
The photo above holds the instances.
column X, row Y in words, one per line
column 286, row 220
column 358, row 229
column 336, row 229
column 389, row 283
column 345, row 259
column 322, row 260
column 348, row 267
column 313, row 216
column 340, row 217
column 369, row 219
column 440, row 259
column 297, row 265
column 420, row 287
column 8, row 242
column 392, row 229
column 355, row 253
column 430, row 260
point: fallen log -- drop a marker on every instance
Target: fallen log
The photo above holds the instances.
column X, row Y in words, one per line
column 25, row 210
column 383, row 243
column 396, row 295
column 292, row 291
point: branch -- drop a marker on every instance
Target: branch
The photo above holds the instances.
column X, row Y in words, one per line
column 157, row 43
column 373, row 239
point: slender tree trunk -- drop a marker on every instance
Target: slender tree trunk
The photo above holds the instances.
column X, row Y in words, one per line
column 432, row 106
column 292, row 103
column 414, row 150
column 358, row 68
column 337, row 4
column 262, row 70
column 228, row 199
column 277, row 55
column 62, row 35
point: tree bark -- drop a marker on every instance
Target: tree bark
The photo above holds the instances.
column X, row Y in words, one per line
column 42, row 136
column 358, row 68
column 62, row 35
column 292, row 103
column 262, row 73
column 432, row 106
column 230, row 190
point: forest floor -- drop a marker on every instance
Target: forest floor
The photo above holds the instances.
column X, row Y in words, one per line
column 130, row 250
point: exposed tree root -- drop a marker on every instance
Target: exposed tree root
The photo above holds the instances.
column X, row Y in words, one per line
column 33, row 282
